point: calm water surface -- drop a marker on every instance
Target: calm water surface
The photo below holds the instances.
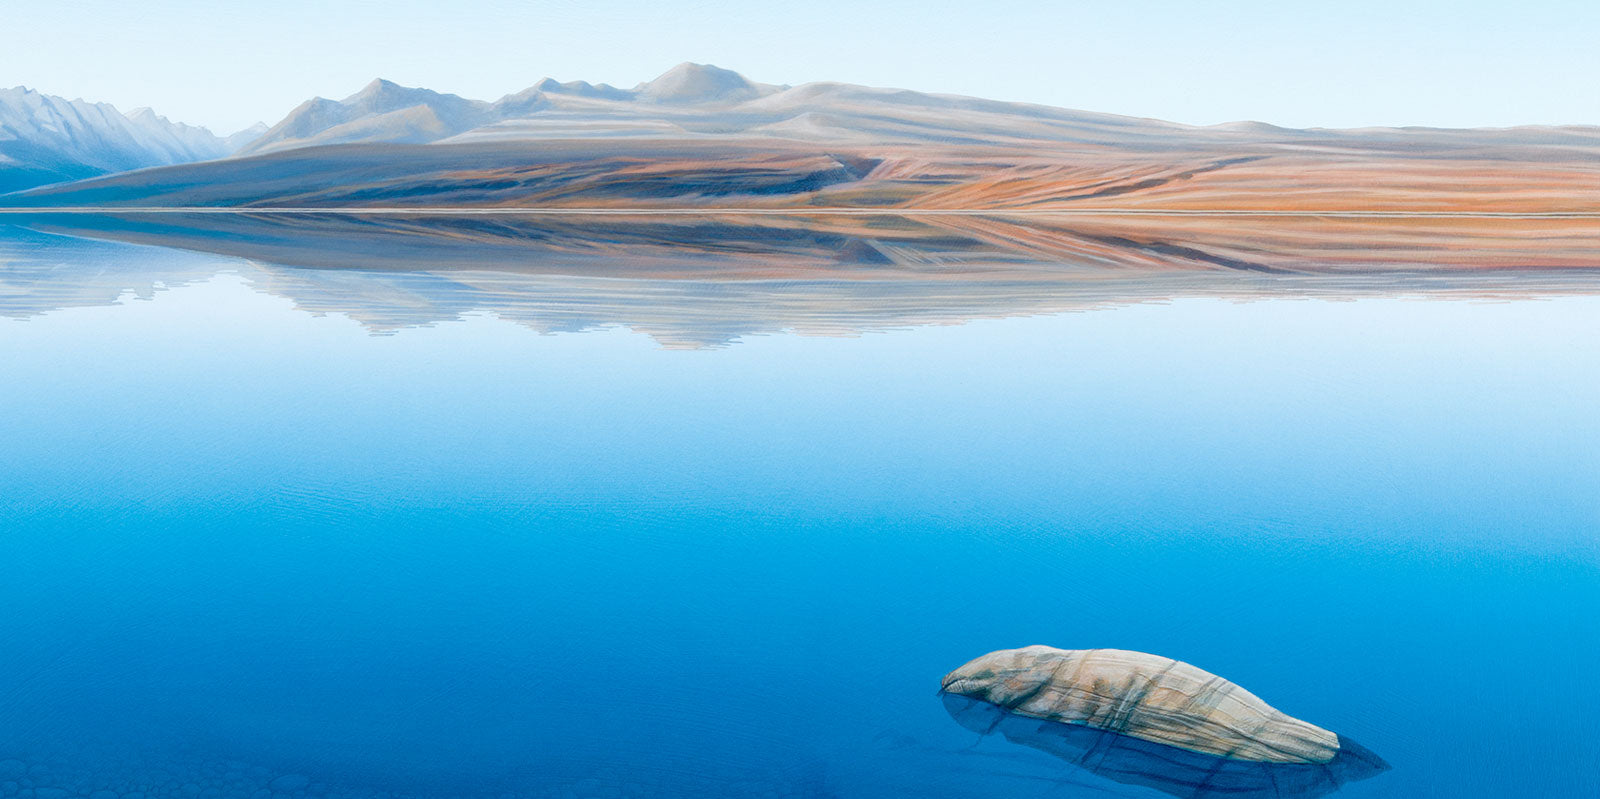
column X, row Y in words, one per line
column 250, row 550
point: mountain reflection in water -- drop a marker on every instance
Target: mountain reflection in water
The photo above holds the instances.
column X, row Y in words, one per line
column 698, row 282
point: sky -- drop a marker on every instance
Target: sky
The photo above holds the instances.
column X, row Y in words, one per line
column 1328, row 64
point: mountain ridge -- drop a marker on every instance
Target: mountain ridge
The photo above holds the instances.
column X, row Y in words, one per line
column 700, row 136
column 699, row 100
column 49, row 139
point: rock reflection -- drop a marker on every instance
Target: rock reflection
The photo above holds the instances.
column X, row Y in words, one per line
column 1168, row 769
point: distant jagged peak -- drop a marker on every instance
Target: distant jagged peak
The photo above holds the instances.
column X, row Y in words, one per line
column 522, row 103
column 699, row 83
column 45, row 138
column 378, row 99
column 242, row 138
column 19, row 92
column 386, row 95
column 35, row 98
column 379, row 87
column 47, row 113
column 145, row 115
column 579, row 88
column 562, row 87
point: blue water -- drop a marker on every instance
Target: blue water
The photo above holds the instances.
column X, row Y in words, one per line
column 253, row 551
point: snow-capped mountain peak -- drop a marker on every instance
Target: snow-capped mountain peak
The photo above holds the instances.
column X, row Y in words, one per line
column 698, row 83
column 383, row 111
column 46, row 139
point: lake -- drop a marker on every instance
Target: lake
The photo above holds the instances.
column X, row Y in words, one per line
column 282, row 531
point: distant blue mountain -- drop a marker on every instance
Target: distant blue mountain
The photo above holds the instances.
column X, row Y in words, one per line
column 46, row 139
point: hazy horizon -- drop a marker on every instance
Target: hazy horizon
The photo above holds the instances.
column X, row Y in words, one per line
column 1362, row 63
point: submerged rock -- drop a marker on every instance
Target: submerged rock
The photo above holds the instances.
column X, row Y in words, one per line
column 1148, row 720
column 1144, row 696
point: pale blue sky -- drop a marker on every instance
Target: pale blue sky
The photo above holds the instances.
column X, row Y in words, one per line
column 1359, row 62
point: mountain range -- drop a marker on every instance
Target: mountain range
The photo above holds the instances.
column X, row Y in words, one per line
column 47, row 139
column 993, row 182
column 698, row 101
column 690, row 101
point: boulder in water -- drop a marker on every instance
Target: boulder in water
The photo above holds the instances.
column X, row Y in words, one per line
column 1147, row 720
